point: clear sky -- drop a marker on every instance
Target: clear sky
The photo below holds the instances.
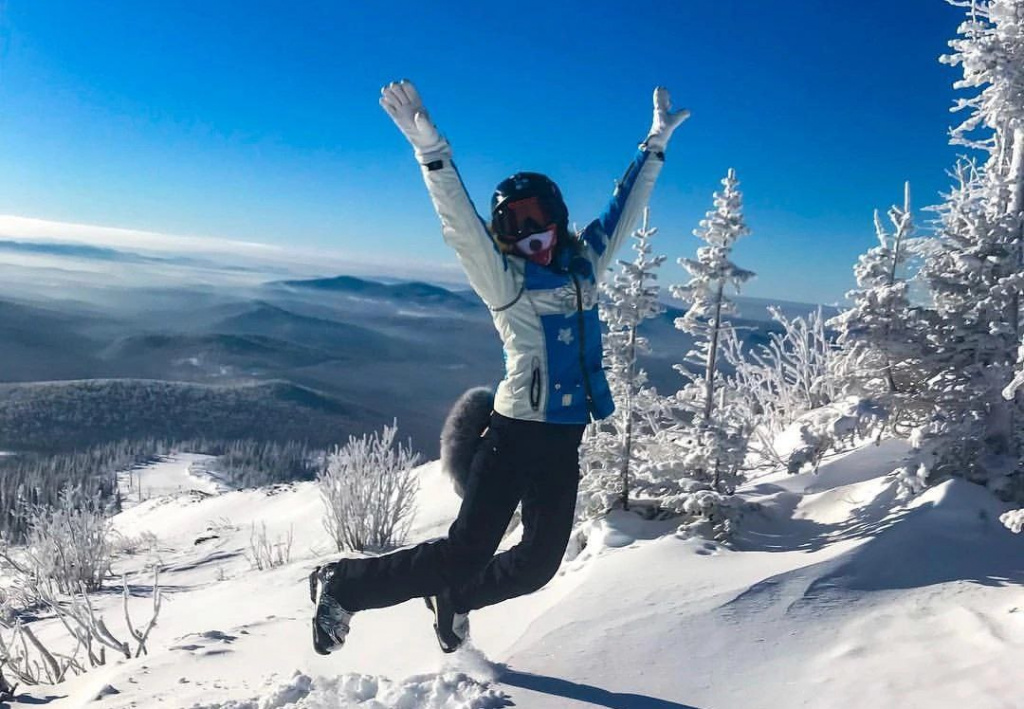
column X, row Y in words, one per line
column 259, row 121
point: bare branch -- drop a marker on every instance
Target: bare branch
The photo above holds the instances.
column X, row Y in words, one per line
column 53, row 668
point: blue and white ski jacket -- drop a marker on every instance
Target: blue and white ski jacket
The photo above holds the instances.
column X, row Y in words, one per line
column 547, row 316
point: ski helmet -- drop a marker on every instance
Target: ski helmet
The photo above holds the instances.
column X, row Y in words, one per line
column 525, row 209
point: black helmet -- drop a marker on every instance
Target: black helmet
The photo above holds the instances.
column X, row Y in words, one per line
column 525, row 203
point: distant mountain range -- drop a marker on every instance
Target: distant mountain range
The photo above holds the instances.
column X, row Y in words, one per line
column 409, row 292
column 73, row 250
column 98, row 253
column 313, row 360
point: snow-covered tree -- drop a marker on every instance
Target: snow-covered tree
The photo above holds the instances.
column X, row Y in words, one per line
column 880, row 336
column 613, row 449
column 717, row 440
column 369, row 491
column 778, row 384
column 976, row 272
column 631, row 297
column 971, row 337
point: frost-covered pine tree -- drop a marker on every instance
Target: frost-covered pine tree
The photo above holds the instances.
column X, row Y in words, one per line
column 631, row 298
column 976, row 272
column 612, row 450
column 717, row 444
column 880, row 336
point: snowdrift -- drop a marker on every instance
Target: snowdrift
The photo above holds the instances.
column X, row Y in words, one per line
column 837, row 594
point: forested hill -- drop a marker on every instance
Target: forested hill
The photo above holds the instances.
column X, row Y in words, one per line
column 64, row 416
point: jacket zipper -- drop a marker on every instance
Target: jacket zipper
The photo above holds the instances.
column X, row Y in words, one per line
column 583, row 349
column 535, row 385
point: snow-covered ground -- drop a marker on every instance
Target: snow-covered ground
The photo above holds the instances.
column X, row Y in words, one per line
column 835, row 595
column 184, row 472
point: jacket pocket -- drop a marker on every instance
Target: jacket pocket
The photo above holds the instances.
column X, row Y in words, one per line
column 536, row 381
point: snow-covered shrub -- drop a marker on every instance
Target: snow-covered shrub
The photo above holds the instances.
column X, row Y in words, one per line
column 712, row 450
column 773, row 385
column 803, row 443
column 68, row 543
column 709, row 514
column 661, row 479
column 600, row 487
column 369, row 491
column 129, row 545
column 264, row 553
column 911, row 479
column 653, row 470
column 34, row 662
column 1014, row 520
column 662, row 491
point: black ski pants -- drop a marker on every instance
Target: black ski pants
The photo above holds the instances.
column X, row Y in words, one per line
column 517, row 461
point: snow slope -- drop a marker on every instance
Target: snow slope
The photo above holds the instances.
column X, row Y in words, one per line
column 837, row 594
column 173, row 474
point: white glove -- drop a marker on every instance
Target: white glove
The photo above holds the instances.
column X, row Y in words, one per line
column 402, row 102
column 665, row 120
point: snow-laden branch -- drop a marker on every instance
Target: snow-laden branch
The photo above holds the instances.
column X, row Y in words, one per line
column 369, row 491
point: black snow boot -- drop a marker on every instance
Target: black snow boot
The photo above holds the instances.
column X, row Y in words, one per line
column 330, row 620
column 451, row 628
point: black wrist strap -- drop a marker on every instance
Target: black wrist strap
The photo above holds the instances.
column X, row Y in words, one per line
column 659, row 154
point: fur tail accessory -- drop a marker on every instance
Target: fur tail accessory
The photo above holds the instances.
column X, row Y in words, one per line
column 460, row 437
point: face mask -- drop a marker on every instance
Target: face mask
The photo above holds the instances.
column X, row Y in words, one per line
column 538, row 247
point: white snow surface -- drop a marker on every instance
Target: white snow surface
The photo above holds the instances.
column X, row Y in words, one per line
column 185, row 472
column 837, row 594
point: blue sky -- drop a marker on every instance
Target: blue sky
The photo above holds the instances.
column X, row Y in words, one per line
column 259, row 121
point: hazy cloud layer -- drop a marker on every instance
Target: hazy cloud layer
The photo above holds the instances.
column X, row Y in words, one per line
column 174, row 257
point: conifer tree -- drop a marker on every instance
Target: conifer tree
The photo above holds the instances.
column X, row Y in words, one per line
column 976, row 271
column 881, row 337
column 631, row 297
column 717, row 444
column 615, row 451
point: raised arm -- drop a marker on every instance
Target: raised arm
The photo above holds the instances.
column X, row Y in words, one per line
column 461, row 226
column 605, row 235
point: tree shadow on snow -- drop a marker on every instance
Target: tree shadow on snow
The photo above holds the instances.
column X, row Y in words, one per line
column 29, row 699
column 214, row 557
column 954, row 536
column 775, row 527
column 143, row 590
column 585, row 692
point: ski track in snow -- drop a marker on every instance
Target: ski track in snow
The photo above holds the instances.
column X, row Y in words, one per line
column 837, row 595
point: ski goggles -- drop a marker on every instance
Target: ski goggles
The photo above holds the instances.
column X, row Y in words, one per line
column 518, row 220
column 538, row 243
